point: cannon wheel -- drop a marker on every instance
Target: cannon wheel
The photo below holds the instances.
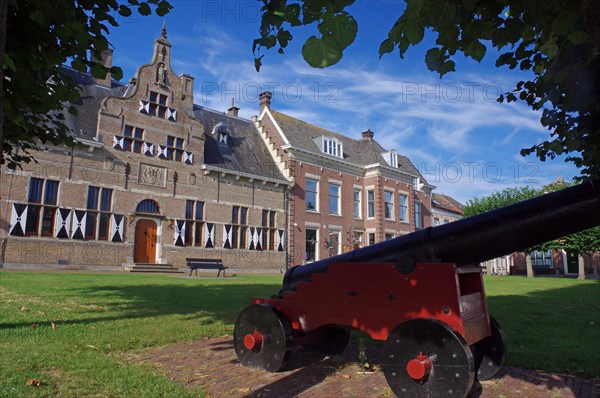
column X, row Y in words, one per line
column 333, row 340
column 489, row 352
column 427, row 358
column 261, row 337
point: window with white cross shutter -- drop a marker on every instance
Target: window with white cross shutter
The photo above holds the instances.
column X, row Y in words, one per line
column 78, row 226
column 227, row 229
column 117, row 228
column 280, row 241
column 179, row 239
column 209, row 235
column 18, row 219
column 62, row 224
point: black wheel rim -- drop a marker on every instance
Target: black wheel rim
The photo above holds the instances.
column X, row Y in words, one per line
column 452, row 364
column 274, row 330
column 489, row 352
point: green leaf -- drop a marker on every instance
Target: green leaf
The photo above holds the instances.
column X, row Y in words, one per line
column 578, row 37
column 549, row 48
column 386, row 46
column 476, row 50
column 144, row 9
column 79, row 65
column 258, row 62
column 413, row 30
column 124, row 10
column 341, row 27
column 320, row 53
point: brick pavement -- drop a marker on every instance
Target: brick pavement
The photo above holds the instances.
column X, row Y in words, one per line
column 212, row 364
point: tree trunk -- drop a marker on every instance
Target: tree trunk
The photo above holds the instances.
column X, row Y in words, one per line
column 581, row 267
column 530, row 273
column 3, row 33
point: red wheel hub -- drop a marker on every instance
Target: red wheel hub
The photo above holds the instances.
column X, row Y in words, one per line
column 419, row 367
column 253, row 340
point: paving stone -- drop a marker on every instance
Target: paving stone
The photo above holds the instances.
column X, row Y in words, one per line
column 212, row 365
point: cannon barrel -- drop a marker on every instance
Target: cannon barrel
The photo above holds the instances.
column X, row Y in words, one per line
column 479, row 238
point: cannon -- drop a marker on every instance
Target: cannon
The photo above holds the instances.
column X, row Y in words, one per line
column 422, row 294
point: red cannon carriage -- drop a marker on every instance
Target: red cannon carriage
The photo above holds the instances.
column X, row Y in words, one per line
column 422, row 294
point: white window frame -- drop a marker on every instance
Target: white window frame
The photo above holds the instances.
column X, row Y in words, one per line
column 404, row 207
column 332, row 146
column 316, row 209
column 391, row 213
column 357, row 209
column 339, row 199
column 418, row 215
column 369, row 207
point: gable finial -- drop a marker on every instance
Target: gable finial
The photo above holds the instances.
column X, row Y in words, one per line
column 163, row 32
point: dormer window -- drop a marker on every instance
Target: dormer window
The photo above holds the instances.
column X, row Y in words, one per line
column 391, row 158
column 332, row 146
column 220, row 130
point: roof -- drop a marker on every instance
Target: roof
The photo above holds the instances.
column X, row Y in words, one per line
column 447, row 203
column 245, row 151
column 84, row 124
column 362, row 152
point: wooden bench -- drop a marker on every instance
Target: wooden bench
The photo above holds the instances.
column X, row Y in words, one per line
column 206, row 263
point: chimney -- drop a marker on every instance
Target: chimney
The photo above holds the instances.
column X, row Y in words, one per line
column 367, row 135
column 187, row 91
column 233, row 111
column 265, row 100
column 107, row 62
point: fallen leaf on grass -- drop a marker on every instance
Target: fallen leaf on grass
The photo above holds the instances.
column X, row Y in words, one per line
column 34, row 382
column 245, row 389
column 346, row 376
column 23, row 308
column 34, row 325
column 54, row 326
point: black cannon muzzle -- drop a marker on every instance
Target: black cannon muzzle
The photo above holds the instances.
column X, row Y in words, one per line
column 479, row 238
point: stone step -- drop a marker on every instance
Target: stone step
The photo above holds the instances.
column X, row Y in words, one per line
column 155, row 268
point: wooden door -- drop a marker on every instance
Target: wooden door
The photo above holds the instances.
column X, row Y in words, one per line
column 145, row 242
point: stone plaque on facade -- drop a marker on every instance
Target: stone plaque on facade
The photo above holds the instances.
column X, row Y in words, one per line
column 152, row 175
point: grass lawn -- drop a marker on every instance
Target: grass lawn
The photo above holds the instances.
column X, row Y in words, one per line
column 551, row 324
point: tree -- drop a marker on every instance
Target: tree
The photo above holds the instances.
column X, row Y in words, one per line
column 583, row 242
column 503, row 198
column 557, row 41
column 37, row 38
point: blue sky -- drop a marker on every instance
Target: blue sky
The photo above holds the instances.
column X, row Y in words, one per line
column 452, row 129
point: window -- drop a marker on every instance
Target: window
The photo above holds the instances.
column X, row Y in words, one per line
column 334, row 243
column 334, row 199
column 391, row 158
column 239, row 221
column 133, row 139
column 331, row 146
column 311, row 245
column 174, row 148
column 357, row 239
column 147, row 206
column 194, row 216
column 268, row 224
column 312, row 194
column 158, row 105
column 541, row 259
column 46, row 208
column 418, row 221
column 389, row 236
column 446, row 221
column 436, row 221
column 403, row 208
column 357, row 204
column 371, row 238
column 388, row 198
column 99, row 205
column 370, row 204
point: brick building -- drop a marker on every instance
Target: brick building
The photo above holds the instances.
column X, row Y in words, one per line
column 445, row 209
column 347, row 193
column 156, row 178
